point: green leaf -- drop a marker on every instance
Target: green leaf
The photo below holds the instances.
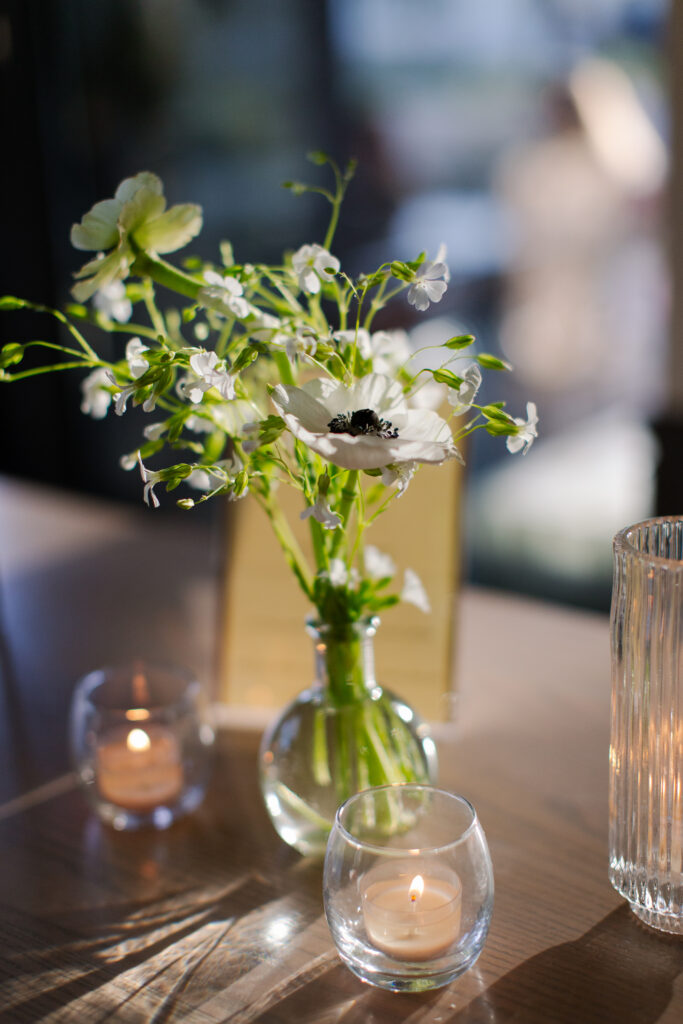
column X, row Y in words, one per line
column 11, row 354
column 460, row 341
column 447, row 377
column 490, row 362
column 11, row 302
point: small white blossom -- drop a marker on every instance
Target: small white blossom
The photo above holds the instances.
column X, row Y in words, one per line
column 200, row 425
column 429, row 285
column 303, row 343
column 400, row 474
column 321, row 511
column 223, row 295
column 124, row 393
column 209, row 373
column 414, row 593
column 313, row 264
column 110, row 300
column 462, row 399
column 361, row 338
column 263, row 322
column 378, row 565
column 96, row 396
column 135, row 218
column 205, row 479
column 129, row 461
column 137, row 364
column 338, row 574
column 153, row 431
column 525, row 438
column 150, row 480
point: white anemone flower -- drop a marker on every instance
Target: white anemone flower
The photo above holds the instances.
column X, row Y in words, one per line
column 462, row 399
column 313, row 264
column 378, row 565
column 525, row 438
column 365, row 426
column 223, row 295
column 321, row 511
column 96, row 395
column 429, row 284
column 110, row 300
column 414, row 593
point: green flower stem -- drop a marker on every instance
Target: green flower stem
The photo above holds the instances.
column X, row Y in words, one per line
column 166, row 275
column 348, row 496
column 318, row 542
column 152, row 311
column 287, row 541
column 4, row 376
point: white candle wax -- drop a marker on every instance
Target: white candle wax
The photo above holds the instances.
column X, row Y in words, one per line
column 413, row 916
column 139, row 768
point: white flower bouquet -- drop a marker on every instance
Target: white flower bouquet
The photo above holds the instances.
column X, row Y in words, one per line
column 266, row 375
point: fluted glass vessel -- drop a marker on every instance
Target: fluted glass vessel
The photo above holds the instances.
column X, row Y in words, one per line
column 646, row 749
column 343, row 733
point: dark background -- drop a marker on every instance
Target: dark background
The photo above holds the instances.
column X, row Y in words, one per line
column 222, row 99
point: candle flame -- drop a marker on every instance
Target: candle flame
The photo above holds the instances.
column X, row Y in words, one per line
column 138, row 740
column 417, row 887
column 137, row 714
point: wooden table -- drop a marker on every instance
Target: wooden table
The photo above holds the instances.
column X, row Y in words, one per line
column 215, row 919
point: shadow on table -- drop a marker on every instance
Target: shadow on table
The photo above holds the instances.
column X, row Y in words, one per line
column 618, row 971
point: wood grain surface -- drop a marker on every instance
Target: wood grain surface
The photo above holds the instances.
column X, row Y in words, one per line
column 216, row 920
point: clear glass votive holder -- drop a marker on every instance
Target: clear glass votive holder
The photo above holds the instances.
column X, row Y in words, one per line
column 140, row 744
column 408, row 886
column 646, row 743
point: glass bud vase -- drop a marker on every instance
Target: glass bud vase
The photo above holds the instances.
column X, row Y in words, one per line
column 343, row 734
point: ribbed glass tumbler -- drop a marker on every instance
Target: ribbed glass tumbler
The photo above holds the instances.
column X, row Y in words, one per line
column 646, row 749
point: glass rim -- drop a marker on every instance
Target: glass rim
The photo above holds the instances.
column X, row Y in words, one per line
column 87, row 685
column 623, row 541
column 389, row 851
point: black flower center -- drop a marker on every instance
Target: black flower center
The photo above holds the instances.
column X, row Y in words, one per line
column 362, row 421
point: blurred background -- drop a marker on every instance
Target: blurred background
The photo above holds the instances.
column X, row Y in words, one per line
column 532, row 137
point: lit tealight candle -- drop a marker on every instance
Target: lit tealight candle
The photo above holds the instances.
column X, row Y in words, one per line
column 139, row 768
column 412, row 916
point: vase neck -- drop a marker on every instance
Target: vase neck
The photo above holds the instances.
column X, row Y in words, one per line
column 344, row 657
